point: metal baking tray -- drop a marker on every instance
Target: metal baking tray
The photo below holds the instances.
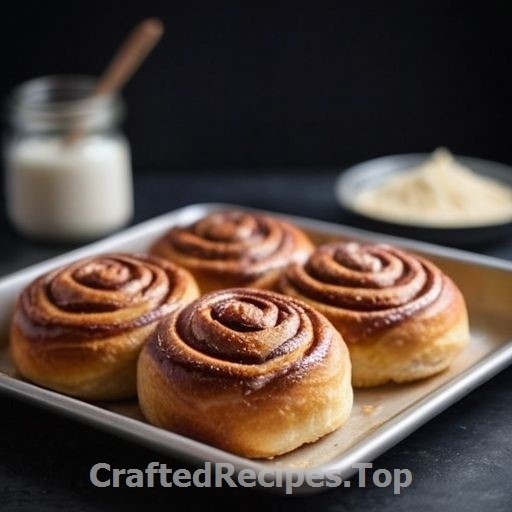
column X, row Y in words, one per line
column 381, row 417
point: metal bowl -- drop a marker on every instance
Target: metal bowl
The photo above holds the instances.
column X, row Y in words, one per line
column 374, row 172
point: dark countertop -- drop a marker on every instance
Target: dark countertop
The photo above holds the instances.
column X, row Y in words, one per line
column 460, row 460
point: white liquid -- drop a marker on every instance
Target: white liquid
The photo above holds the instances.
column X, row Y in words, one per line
column 74, row 192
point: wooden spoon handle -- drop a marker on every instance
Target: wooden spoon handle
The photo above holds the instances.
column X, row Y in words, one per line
column 130, row 56
column 125, row 62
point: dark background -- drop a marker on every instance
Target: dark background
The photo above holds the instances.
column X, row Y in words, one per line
column 286, row 84
column 278, row 86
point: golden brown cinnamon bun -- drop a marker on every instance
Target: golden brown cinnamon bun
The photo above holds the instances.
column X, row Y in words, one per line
column 234, row 248
column 79, row 329
column 402, row 318
column 250, row 371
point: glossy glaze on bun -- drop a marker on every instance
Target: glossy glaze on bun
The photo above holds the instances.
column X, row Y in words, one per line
column 234, row 248
column 79, row 329
column 250, row 371
column 402, row 318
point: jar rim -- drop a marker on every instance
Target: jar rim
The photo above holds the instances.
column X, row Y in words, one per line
column 31, row 91
column 62, row 99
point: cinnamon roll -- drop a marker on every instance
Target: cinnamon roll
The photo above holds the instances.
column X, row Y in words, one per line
column 234, row 248
column 79, row 329
column 249, row 371
column 402, row 318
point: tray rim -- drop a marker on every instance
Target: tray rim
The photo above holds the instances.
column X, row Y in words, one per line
column 132, row 231
column 184, row 448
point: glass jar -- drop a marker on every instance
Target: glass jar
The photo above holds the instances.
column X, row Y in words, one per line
column 67, row 164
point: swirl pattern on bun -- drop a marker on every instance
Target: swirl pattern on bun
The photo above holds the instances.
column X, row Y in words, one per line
column 79, row 328
column 234, row 248
column 401, row 316
column 250, row 371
